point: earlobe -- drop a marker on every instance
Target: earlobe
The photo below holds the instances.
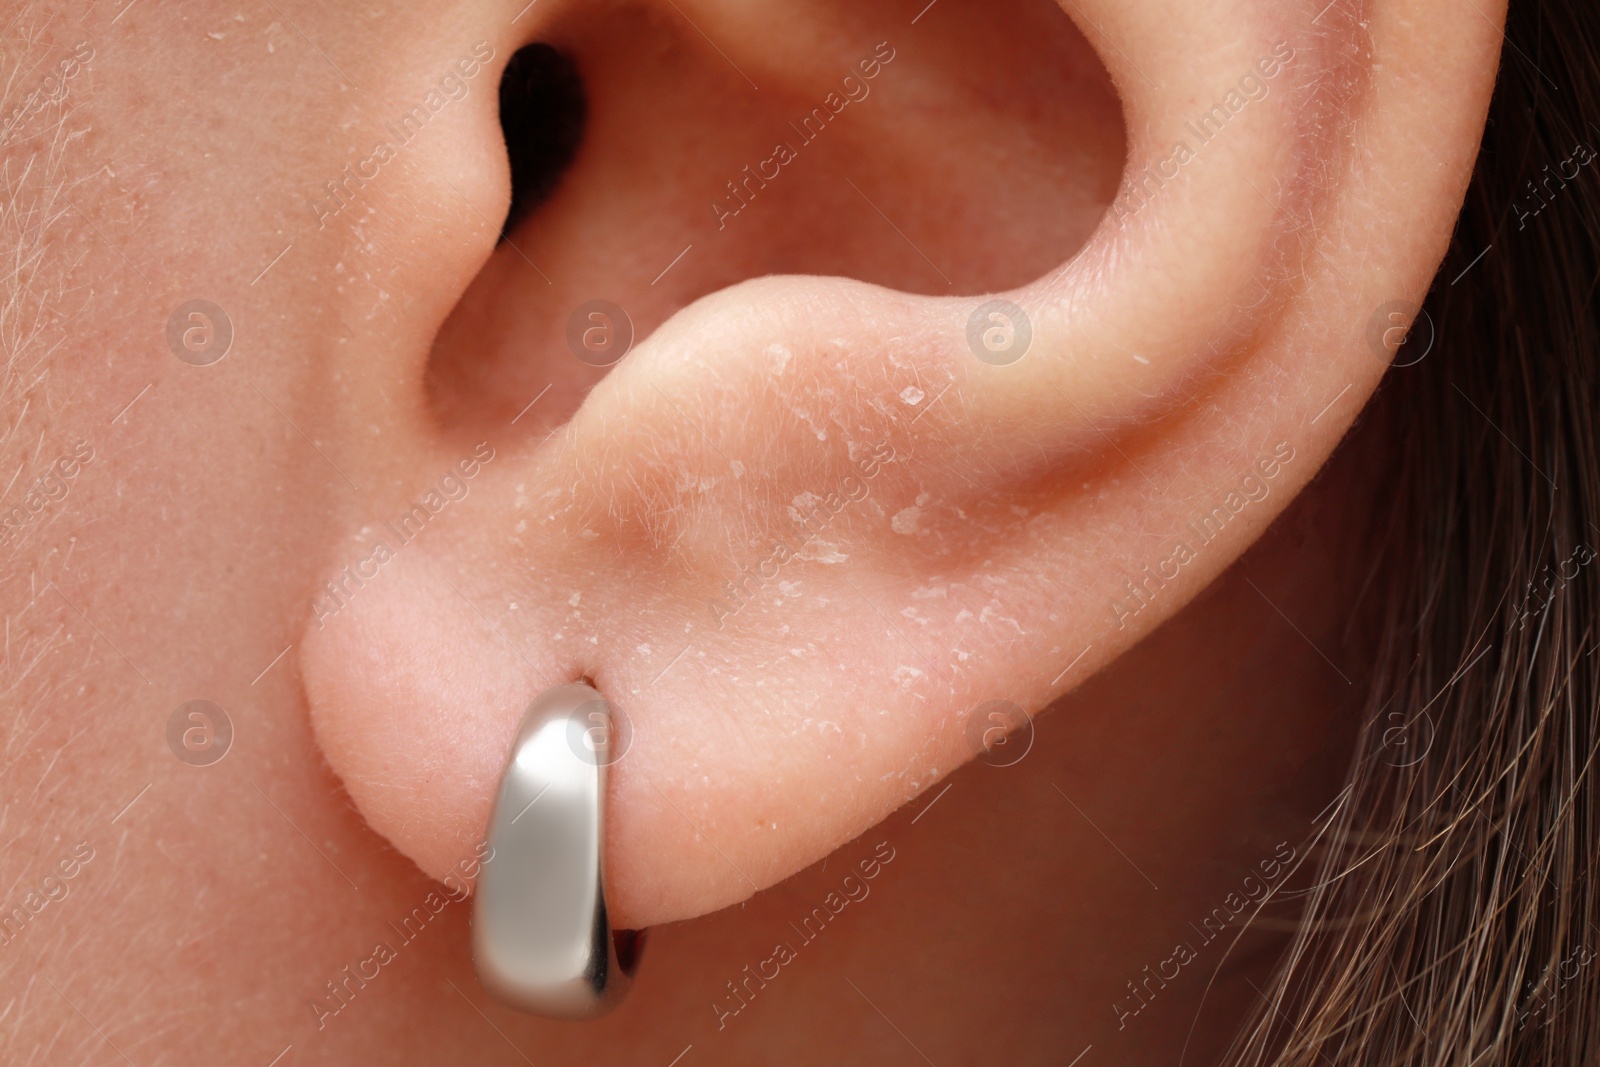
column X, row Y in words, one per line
column 807, row 525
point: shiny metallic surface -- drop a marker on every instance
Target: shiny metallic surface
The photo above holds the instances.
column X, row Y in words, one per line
column 540, row 937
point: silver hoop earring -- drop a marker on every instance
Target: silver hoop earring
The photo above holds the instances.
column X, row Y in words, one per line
column 541, row 938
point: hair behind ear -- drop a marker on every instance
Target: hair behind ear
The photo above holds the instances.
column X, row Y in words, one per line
column 1441, row 945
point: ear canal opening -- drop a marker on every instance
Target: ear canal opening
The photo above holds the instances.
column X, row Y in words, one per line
column 543, row 111
column 643, row 179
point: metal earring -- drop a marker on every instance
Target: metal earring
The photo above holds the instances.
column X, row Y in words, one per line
column 541, row 939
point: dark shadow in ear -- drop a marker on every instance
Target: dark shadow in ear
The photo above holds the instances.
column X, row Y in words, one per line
column 542, row 112
column 630, row 946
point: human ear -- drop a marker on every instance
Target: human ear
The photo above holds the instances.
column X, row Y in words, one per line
column 1047, row 479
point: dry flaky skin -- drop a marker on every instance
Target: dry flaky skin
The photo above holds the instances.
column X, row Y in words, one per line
column 984, row 525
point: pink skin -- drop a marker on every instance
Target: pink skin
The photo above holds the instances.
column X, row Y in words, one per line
column 1184, row 343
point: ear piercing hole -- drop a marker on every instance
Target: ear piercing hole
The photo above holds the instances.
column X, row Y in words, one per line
column 630, row 945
